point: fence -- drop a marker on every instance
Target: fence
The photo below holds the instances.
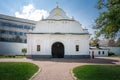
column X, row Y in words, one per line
column 116, row 50
column 10, row 48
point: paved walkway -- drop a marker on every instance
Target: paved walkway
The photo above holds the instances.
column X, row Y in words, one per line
column 59, row 69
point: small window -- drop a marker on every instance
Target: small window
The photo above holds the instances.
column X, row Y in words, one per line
column 77, row 47
column 99, row 52
column 103, row 52
column 38, row 47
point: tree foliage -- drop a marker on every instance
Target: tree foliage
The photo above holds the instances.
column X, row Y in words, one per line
column 94, row 42
column 24, row 51
column 112, row 43
column 118, row 42
column 108, row 21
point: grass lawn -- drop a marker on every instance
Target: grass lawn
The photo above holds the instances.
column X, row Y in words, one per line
column 17, row 70
column 97, row 72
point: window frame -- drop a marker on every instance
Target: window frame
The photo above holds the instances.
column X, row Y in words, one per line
column 103, row 52
column 38, row 48
column 99, row 52
column 77, row 48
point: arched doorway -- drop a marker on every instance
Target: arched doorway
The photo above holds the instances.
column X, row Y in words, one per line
column 58, row 50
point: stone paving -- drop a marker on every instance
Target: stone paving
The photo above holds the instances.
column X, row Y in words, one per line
column 59, row 69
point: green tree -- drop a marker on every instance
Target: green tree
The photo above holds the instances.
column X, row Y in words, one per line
column 24, row 51
column 94, row 42
column 112, row 42
column 108, row 21
column 118, row 42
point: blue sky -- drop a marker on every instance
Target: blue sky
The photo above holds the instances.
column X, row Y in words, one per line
column 83, row 11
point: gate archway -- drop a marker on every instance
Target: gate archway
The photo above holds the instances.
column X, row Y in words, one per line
column 58, row 50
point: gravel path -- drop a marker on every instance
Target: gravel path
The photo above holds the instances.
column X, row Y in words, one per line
column 59, row 69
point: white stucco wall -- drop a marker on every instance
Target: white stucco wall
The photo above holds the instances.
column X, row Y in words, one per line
column 51, row 26
column 69, row 41
column 10, row 48
column 96, row 53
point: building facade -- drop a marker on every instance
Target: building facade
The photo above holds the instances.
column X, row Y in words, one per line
column 99, row 52
column 14, row 29
column 58, row 36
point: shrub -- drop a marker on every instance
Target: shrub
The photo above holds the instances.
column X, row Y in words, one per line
column 24, row 51
column 111, row 53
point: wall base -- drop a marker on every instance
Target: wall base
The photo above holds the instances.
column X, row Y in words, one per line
column 65, row 56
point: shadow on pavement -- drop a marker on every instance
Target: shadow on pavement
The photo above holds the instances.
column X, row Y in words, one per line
column 95, row 60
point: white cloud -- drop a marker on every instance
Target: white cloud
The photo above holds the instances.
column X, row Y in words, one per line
column 29, row 12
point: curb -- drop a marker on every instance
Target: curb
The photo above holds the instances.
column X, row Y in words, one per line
column 35, row 74
column 71, row 71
